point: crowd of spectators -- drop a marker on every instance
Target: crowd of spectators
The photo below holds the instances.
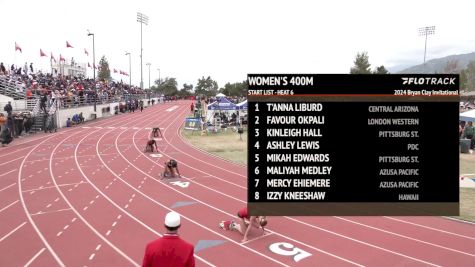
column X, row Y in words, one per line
column 71, row 90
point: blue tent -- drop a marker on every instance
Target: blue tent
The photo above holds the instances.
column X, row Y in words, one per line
column 242, row 105
column 222, row 104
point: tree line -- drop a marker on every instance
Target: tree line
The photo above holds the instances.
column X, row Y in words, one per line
column 209, row 87
column 205, row 86
column 467, row 75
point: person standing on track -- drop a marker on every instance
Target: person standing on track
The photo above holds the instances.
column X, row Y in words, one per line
column 170, row 249
column 245, row 224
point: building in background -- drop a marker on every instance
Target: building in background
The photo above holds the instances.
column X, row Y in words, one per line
column 69, row 68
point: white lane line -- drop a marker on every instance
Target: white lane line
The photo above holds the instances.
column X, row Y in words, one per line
column 130, row 200
column 56, row 200
column 10, row 161
column 108, row 232
column 257, row 238
column 98, row 247
column 114, row 223
column 7, row 187
column 97, row 196
column 361, row 242
column 49, row 205
column 285, row 217
column 224, row 212
column 118, row 217
column 92, row 256
column 431, row 228
column 59, row 233
column 85, row 208
column 66, row 227
column 91, row 202
column 47, row 212
column 11, row 204
column 82, row 218
column 406, row 237
column 74, row 219
column 3, row 174
column 34, row 257
column 126, row 206
column 12, row 231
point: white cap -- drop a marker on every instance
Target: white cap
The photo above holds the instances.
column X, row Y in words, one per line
column 172, row 219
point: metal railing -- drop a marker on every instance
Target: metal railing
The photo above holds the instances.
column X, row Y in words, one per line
column 9, row 89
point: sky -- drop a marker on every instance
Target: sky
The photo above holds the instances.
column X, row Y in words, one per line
column 189, row 39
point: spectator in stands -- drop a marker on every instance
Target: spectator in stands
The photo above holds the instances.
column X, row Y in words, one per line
column 31, row 67
column 171, row 169
column 170, row 249
column 3, row 71
column 68, row 122
column 141, row 105
column 43, row 100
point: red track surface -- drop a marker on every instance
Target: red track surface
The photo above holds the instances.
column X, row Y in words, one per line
column 91, row 197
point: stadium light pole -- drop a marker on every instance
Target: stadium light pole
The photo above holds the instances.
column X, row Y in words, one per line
column 148, row 64
column 94, row 67
column 130, row 69
column 425, row 31
column 143, row 19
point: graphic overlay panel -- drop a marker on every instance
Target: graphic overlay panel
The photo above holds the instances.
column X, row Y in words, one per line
column 343, row 145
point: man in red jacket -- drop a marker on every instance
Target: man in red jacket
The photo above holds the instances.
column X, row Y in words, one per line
column 170, row 249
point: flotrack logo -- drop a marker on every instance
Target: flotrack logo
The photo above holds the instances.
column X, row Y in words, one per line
column 428, row 81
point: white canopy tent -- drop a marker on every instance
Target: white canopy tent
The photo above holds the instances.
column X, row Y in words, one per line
column 468, row 115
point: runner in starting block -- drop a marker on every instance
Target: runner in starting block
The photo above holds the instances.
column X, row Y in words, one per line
column 244, row 225
column 171, row 169
column 156, row 132
column 150, row 144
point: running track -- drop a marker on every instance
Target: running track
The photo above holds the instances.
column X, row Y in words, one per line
column 89, row 196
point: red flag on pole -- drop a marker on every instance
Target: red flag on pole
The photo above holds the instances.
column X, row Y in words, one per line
column 42, row 54
column 61, row 58
column 85, row 52
column 89, row 65
column 115, row 71
column 52, row 58
column 68, row 45
column 17, row 47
